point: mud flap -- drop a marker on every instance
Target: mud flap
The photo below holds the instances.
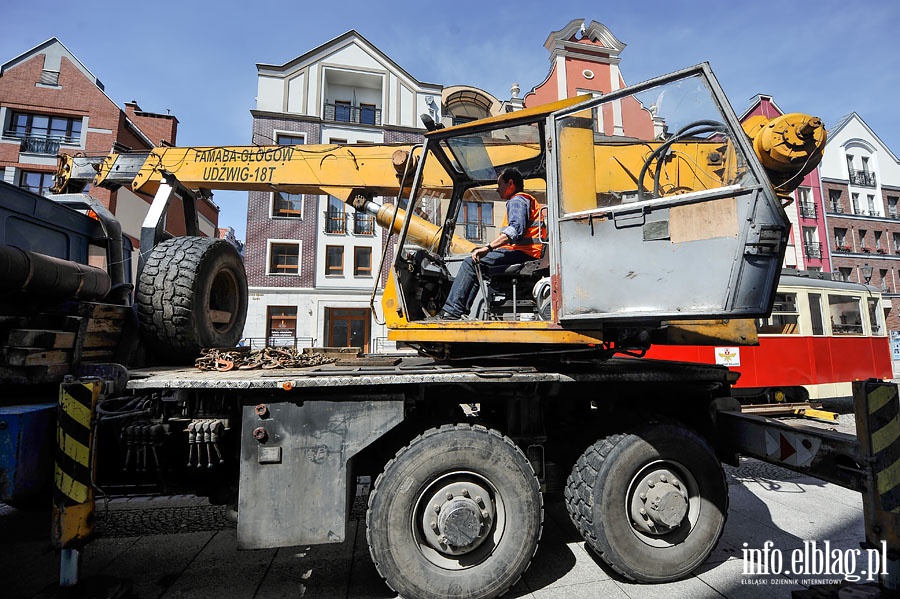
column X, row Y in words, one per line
column 294, row 475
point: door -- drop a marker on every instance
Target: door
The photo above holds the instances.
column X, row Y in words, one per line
column 659, row 208
column 348, row 327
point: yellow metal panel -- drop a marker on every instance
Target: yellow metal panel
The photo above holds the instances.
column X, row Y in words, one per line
column 886, row 435
column 76, row 410
column 880, row 397
column 71, row 488
column 72, row 448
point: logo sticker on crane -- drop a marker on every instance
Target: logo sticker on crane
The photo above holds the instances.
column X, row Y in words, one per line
column 791, row 448
column 728, row 356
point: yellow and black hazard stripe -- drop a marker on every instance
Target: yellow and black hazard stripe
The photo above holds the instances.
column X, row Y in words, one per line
column 883, row 415
column 73, row 451
column 73, row 494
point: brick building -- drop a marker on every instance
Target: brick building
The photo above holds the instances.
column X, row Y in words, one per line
column 861, row 188
column 311, row 261
column 51, row 104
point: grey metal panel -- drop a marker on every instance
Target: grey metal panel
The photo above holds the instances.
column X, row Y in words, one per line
column 293, row 483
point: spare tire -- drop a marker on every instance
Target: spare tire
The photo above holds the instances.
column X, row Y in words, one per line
column 192, row 294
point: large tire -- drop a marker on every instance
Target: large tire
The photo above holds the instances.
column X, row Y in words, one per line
column 192, row 294
column 651, row 503
column 458, row 513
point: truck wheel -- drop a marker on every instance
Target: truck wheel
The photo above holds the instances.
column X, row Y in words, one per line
column 456, row 513
column 192, row 294
column 651, row 503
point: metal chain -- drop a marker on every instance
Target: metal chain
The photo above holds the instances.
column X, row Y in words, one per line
column 267, row 358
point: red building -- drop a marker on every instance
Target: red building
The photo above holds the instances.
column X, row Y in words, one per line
column 51, row 104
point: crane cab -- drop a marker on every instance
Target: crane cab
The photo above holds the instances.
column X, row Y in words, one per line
column 659, row 217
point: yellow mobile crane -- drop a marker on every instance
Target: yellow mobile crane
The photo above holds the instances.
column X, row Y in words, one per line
column 664, row 222
column 631, row 207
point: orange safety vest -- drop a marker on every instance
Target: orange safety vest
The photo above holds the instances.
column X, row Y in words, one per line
column 530, row 242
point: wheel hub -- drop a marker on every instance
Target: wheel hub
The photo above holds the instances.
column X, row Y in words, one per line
column 659, row 503
column 458, row 518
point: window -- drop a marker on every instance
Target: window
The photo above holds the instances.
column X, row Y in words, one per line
column 844, row 274
column 287, row 205
column 878, row 247
column 367, row 114
column 840, row 240
column 335, row 219
column 846, row 317
column 865, row 164
column 815, row 314
column 784, row 317
column 804, row 199
column 849, row 163
column 35, row 182
column 871, row 202
column 334, row 260
column 337, row 141
column 876, row 317
column 363, row 223
column 892, row 206
column 282, row 325
column 883, row 277
column 58, row 128
column 284, row 258
column 290, row 140
column 811, row 246
column 342, row 111
column 834, row 200
column 854, row 202
column 476, row 217
column 362, row 262
column 862, row 239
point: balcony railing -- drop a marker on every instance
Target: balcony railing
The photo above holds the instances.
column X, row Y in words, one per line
column 807, row 210
column 360, row 115
column 862, row 178
column 41, row 144
column 363, row 224
column 812, row 249
column 836, row 208
column 335, row 221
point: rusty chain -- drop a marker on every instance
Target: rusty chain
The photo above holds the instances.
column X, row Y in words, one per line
column 267, row 358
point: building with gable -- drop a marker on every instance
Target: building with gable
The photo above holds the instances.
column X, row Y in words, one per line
column 312, row 262
column 50, row 104
column 861, row 187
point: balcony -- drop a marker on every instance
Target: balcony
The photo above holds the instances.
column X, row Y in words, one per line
column 836, row 208
column 335, row 222
column 862, row 178
column 358, row 115
column 363, row 224
column 41, row 144
column 812, row 249
column 807, row 210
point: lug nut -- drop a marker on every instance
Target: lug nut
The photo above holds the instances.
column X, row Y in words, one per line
column 663, row 478
column 437, row 509
column 434, row 526
column 449, row 496
column 260, row 434
column 465, row 492
column 262, row 410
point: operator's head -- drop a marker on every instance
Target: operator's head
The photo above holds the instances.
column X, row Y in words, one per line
column 509, row 183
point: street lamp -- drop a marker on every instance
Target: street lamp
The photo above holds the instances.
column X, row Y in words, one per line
column 866, row 271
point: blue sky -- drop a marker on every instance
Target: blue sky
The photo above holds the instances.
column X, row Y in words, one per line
column 198, row 59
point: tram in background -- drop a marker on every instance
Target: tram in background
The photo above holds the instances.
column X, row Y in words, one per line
column 821, row 336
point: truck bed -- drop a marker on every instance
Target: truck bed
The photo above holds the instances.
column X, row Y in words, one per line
column 393, row 370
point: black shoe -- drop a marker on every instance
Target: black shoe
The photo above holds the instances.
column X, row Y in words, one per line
column 443, row 315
